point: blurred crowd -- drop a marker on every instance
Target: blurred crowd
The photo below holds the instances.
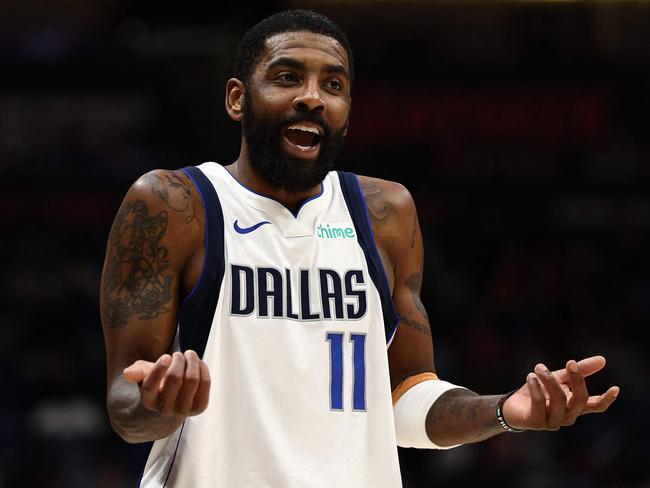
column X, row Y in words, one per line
column 527, row 158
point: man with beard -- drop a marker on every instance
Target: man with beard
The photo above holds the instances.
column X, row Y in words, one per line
column 251, row 311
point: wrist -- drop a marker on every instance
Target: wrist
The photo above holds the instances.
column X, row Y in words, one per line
column 500, row 417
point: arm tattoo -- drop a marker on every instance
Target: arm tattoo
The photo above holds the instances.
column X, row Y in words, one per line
column 180, row 199
column 414, row 283
column 465, row 405
column 420, row 327
column 377, row 207
column 135, row 281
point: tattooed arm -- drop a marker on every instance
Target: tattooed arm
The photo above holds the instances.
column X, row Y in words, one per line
column 153, row 258
column 459, row 416
column 547, row 401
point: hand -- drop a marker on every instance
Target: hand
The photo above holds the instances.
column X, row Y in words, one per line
column 176, row 385
column 550, row 400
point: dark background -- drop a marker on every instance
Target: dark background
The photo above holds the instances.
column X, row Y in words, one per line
column 521, row 129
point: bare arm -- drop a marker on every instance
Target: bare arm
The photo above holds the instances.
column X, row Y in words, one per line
column 153, row 257
column 460, row 416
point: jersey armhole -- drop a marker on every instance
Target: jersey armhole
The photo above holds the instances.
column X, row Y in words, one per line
column 356, row 204
column 196, row 312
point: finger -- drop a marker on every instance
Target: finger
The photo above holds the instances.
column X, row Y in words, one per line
column 579, row 394
column 556, row 397
column 592, row 365
column 151, row 383
column 598, row 404
column 202, row 395
column 137, row 371
column 537, row 402
column 588, row 366
column 185, row 398
column 171, row 384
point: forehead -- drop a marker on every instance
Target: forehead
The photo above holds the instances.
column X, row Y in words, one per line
column 304, row 43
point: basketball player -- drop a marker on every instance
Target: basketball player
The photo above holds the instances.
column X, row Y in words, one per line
column 258, row 316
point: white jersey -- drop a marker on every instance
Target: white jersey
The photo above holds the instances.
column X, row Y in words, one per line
column 293, row 316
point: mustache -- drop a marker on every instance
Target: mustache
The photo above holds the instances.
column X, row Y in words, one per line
column 313, row 117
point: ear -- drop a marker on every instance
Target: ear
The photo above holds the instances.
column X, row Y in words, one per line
column 235, row 99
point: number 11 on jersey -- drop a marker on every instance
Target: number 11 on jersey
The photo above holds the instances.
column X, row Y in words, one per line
column 337, row 365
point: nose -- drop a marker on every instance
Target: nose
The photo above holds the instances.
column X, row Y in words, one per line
column 309, row 97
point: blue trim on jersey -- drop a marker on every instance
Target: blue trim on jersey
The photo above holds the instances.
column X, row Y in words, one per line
column 196, row 313
column 178, row 442
column 359, row 212
column 295, row 214
column 322, row 189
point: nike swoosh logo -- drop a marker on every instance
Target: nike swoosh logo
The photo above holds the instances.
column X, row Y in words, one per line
column 248, row 230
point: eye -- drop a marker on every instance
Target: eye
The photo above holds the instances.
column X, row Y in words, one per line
column 286, row 77
column 334, row 84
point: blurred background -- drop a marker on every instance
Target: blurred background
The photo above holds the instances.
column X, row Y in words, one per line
column 520, row 127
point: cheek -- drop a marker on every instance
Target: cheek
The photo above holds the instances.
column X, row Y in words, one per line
column 339, row 114
column 271, row 97
column 263, row 100
column 276, row 107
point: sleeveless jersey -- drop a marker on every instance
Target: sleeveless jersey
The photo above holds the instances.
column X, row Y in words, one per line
column 293, row 316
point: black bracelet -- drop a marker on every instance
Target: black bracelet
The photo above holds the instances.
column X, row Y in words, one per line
column 502, row 421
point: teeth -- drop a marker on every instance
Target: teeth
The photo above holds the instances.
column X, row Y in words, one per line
column 305, row 128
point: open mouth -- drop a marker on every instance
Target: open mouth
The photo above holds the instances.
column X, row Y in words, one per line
column 302, row 137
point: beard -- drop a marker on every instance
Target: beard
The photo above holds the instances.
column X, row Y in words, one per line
column 264, row 137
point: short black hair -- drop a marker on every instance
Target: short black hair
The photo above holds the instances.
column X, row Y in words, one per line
column 251, row 47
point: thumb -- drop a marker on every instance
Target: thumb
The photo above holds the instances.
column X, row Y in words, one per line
column 138, row 371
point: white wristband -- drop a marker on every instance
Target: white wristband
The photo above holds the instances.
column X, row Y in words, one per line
column 410, row 413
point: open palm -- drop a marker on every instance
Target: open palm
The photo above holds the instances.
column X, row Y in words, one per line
column 549, row 400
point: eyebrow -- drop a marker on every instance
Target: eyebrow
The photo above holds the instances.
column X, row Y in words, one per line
column 294, row 63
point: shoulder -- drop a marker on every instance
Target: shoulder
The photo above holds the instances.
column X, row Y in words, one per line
column 170, row 199
column 169, row 186
column 169, row 189
column 387, row 201
column 393, row 216
column 394, row 222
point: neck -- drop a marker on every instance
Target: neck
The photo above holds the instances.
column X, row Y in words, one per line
column 244, row 172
